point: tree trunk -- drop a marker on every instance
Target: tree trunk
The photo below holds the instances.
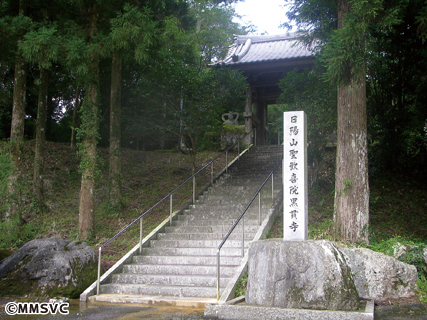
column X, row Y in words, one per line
column 40, row 136
column 351, row 208
column 89, row 128
column 17, row 130
column 88, row 161
column 77, row 104
column 115, row 105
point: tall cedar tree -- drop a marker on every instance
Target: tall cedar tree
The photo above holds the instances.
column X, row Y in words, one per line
column 113, row 34
column 89, row 128
column 135, row 25
column 41, row 46
column 40, row 136
column 18, row 115
column 344, row 53
column 115, row 189
column 351, row 207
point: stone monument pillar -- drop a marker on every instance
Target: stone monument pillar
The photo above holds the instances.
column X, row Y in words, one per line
column 295, row 201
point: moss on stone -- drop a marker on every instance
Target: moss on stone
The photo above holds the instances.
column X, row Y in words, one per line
column 77, row 277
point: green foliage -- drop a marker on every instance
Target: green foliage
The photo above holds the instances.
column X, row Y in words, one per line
column 421, row 20
column 14, row 232
column 343, row 49
column 345, row 54
column 164, row 54
column 233, row 129
column 385, row 41
column 206, row 95
column 6, row 169
column 134, row 26
column 214, row 29
column 406, row 250
column 88, row 130
column 176, row 76
column 321, row 231
column 275, row 122
column 422, row 290
column 305, row 90
column 42, row 46
column 396, row 97
column 241, row 285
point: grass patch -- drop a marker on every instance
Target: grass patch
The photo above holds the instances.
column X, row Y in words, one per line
column 241, row 285
column 422, row 290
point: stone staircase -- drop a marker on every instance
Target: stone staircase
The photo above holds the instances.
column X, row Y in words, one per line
column 182, row 261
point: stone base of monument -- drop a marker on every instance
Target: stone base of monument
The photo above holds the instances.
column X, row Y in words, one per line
column 310, row 274
column 244, row 311
column 296, row 280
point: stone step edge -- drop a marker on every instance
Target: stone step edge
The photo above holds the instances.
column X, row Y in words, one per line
column 203, row 276
column 189, row 302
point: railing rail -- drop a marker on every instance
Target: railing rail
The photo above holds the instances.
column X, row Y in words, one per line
column 170, row 196
column 241, row 217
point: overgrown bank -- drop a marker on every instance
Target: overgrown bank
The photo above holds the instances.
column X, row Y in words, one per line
column 147, row 177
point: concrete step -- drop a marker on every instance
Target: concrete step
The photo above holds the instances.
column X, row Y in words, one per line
column 251, row 214
column 219, row 202
column 196, row 243
column 266, row 203
column 210, row 229
column 190, row 251
column 188, row 260
column 204, row 236
column 168, row 280
column 211, row 222
column 191, row 269
column 158, row 290
column 186, row 302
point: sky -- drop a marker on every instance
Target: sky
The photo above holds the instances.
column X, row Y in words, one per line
column 266, row 15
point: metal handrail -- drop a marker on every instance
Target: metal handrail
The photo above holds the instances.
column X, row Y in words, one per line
column 169, row 195
column 258, row 193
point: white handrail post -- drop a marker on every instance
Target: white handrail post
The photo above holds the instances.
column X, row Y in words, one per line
column 272, row 185
column 140, row 236
column 218, row 275
column 226, row 161
column 194, row 190
column 170, row 211
column 212, row 172
column 243, row 236
column 99, row 270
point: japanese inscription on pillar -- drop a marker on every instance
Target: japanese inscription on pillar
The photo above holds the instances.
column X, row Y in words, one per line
column 295, row 204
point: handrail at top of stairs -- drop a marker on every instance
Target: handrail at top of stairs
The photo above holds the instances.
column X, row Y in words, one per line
column 258, row 193
column 169, row 195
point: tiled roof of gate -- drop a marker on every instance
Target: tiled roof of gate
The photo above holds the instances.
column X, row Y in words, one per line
column 252, row 49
